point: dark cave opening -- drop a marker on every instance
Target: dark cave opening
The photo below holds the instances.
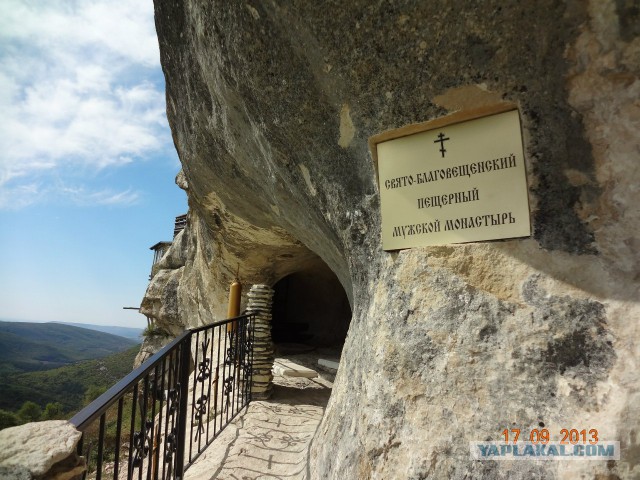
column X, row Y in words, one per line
column 311, row 308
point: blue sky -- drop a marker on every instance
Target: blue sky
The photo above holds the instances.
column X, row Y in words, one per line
column 87, row 163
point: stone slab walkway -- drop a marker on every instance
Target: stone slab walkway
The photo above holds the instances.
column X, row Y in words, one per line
column 271, row 440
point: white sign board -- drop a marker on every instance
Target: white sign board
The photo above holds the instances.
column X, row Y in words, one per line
column 462, row 182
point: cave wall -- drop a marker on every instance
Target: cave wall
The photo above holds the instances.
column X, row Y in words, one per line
column 271, row 105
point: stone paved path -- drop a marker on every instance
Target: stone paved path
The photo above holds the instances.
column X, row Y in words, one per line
column 272, row 439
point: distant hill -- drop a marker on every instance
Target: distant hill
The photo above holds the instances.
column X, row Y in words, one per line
column 66, row 385
column 126, row 332
column 37, row 346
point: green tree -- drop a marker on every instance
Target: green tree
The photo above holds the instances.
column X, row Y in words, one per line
column 52, row 411
column 8, row 419
column 92, row 393
column 29, row 412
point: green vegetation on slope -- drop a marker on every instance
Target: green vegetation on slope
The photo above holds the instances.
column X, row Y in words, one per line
column 27, row 347
column 70, row 386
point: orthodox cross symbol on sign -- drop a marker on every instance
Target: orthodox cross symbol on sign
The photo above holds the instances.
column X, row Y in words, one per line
column 441, row 139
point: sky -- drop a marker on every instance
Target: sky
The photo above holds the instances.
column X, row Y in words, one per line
column 87, row 162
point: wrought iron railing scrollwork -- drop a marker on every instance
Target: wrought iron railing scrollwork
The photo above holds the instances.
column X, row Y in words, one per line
column 154, row 423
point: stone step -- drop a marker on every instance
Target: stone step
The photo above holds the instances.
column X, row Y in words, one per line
column 328, row 364
column 287, row 368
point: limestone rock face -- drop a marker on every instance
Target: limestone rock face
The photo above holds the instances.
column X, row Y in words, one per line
column 150, row 345
column 271, row 105
column 40, row 450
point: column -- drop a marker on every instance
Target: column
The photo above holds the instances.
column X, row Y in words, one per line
column 260, row 301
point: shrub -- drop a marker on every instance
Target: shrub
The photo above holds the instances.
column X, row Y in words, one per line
column 8, row 419
column 53, row 411
column 29, row 412
column 92, row 393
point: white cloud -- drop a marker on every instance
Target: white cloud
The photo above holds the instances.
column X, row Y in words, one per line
column 79, row 89
column 26, row 194
column 20, row 196
column 103, row 197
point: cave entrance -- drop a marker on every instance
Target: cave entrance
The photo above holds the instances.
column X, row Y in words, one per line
column 311, row 312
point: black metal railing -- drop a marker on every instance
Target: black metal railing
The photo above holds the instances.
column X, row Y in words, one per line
column 155, row 422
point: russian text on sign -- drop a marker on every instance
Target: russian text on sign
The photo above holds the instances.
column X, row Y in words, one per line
column 432, row 194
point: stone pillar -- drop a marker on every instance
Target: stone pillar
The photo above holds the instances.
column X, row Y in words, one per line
column 260, row 301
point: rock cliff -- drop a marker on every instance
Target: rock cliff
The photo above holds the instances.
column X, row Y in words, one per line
column 271, row 105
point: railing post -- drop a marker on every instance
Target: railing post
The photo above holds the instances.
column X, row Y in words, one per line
column 185, row 361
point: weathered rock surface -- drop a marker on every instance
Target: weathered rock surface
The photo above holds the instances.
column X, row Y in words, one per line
column 271, row 105
column 150, row 345
column 40, row 450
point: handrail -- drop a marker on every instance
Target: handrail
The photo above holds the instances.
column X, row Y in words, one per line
column 108, row 398
column 219, row 322
column 159, row 432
